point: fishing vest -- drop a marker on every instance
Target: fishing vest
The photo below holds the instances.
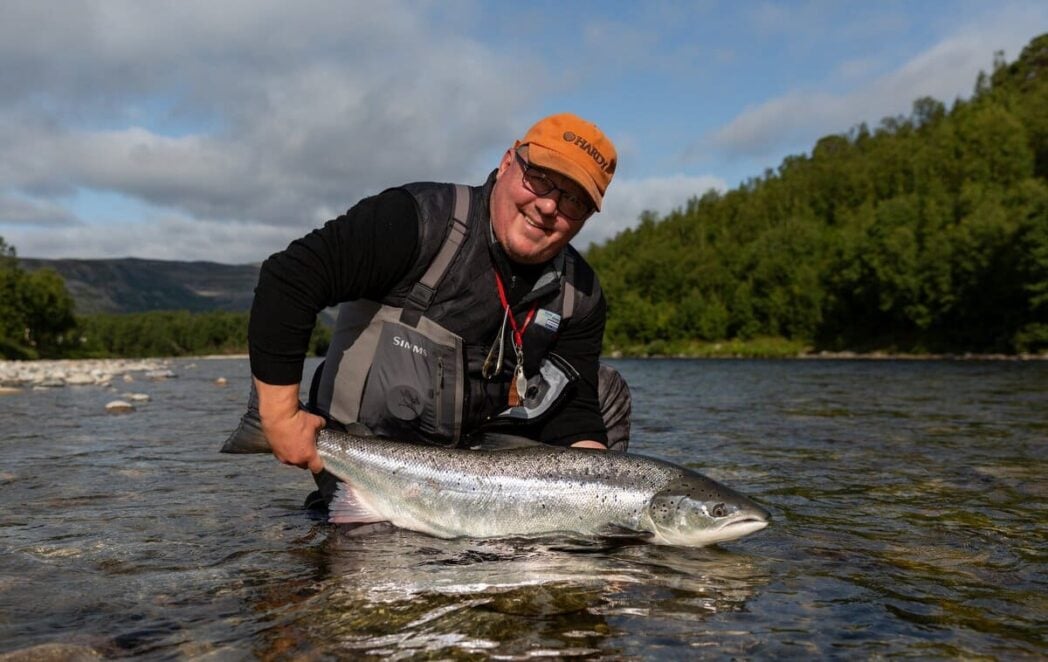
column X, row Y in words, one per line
column 409, row 366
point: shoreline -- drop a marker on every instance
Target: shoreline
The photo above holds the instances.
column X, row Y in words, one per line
column 832, row 356
column 58, row 373
column 16, row 376
column 156, row 363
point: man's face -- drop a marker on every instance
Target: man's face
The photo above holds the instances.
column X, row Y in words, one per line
column 529, row 227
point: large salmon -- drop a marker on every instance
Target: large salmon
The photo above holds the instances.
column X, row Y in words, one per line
column 530, row 491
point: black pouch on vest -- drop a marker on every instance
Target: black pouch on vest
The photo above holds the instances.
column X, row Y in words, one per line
column 414, row 385
column 545, row 390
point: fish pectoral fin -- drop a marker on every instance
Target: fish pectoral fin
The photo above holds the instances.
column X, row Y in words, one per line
column 604, row 539
column 346, row 507
column 617, row 532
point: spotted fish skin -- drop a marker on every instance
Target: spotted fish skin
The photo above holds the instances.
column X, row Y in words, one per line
column 530, row 491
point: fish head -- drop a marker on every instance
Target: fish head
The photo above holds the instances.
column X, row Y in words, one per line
column 699, row 511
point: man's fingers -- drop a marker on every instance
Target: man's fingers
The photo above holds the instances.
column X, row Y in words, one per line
column 317, row 465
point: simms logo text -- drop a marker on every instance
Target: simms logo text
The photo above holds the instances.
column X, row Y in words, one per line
column 583, row 144
column 400, row 342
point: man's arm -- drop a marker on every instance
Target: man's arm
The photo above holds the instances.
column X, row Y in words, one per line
column 362, row 254
column 579, row 421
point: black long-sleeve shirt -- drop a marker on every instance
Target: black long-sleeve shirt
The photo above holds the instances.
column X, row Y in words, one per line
column 364, row 254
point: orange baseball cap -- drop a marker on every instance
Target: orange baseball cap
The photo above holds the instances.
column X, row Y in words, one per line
column 575, row 148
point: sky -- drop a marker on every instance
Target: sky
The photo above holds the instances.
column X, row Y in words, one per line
column 221, row 131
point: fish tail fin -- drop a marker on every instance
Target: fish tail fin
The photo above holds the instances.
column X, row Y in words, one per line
column 346, row 507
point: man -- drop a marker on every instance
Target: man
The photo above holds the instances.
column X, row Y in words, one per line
column 464, row 310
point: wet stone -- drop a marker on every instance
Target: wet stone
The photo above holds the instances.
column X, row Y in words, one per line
column 119, row 407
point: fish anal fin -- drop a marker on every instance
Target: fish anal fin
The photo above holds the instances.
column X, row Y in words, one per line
column 346, row 507
column 617, row 532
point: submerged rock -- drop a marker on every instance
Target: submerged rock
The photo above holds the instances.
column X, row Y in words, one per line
column 80, row 379
column 119, row 407
column 49, row 652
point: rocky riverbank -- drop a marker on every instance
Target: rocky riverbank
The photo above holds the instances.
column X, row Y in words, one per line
column 18, row 375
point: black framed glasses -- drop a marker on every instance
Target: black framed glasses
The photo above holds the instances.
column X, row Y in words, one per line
column 571, row 206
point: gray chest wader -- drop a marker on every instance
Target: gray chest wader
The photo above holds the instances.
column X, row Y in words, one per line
column 415, row 384
column 394, row 372
column 414, row 387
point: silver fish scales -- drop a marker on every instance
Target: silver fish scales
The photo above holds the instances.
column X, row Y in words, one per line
column 531, row 491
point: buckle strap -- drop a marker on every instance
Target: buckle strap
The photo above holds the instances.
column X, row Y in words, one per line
column 568, row 304
column 421, row 295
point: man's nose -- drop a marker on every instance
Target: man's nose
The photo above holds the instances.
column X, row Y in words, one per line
column 547, row 204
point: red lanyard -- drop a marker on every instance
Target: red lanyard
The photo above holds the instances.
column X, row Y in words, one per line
column 518, row 334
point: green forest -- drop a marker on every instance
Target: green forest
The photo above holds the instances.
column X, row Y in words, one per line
column 36, row 310
column 926, row 234
column 38, row 321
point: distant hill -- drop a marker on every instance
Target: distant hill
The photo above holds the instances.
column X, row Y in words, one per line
column 132, row 285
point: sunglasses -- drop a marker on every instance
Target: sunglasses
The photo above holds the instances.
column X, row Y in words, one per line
column 569, row 205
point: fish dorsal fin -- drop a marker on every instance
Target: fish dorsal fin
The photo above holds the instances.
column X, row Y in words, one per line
column 347, row 508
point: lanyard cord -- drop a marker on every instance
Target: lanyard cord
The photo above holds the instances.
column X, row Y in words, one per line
column 518, row 333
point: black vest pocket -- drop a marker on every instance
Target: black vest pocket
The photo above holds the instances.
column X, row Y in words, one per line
column 411, row 388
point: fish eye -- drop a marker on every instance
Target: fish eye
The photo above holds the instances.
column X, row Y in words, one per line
column 720, row 510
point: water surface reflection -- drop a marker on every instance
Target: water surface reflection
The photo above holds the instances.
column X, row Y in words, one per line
column 908, row 500
column 392, row 593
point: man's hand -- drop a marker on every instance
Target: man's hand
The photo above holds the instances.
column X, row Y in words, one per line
column 291, row 430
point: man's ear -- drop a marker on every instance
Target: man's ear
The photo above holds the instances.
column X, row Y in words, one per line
column 505, row 163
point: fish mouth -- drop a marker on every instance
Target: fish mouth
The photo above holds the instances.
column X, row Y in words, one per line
column 740, row 526
column 743, row 526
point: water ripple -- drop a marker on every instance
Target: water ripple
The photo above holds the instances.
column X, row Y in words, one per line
column 908, row 499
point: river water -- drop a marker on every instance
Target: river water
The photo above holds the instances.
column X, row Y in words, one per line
column 908, row 497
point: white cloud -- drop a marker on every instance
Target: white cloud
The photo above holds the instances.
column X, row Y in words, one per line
column 794, row 121
column 160, row 238
column 257, row 113
column 237, row 126
column 18, row 210
column 627, row 199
